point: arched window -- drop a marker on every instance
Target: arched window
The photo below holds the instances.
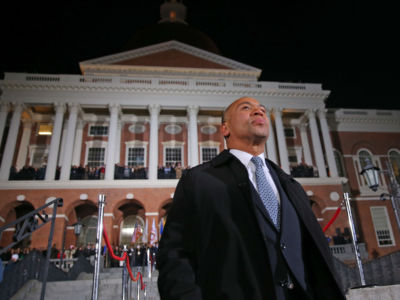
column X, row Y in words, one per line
column 394, row 158
column 89, row 231
column 339, row 163
column 363, row 156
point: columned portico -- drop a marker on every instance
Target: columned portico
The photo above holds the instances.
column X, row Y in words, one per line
column 271, row 146
column 76, row 158
column 112, row 138
column 154, row 110
column 3, row 117
column 327, row 143
column 63, row 139
column 319, row 157
column 24, row 143
column 193, row 141
column 11, row 141
column 283, row 152
column 305, row 144
column 55, row 142
column 117, row 158
column 69, row 142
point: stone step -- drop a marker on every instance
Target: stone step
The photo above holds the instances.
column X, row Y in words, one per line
column 110, row 288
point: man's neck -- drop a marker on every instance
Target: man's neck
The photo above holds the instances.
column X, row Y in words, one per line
column 254, row 150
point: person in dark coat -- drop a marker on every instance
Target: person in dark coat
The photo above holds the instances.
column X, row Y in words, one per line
column 220, row 241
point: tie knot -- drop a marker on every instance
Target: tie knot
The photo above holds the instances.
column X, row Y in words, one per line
column 257, row 161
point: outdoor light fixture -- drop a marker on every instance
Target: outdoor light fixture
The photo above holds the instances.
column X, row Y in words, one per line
column 371, row 175
column 78, row 228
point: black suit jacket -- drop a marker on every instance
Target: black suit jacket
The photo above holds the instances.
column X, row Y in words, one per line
column 212, row 246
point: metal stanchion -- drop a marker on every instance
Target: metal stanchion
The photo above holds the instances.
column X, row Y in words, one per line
column 148, row 263
column 95, row 286
column 124, row 276
column 354, row 237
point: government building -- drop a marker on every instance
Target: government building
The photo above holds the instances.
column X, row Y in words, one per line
column 132, row 123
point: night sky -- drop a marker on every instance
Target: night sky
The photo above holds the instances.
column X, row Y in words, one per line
column 347, row 46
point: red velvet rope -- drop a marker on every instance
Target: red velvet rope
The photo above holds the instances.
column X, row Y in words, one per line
column 333, row 218
column 124, row 257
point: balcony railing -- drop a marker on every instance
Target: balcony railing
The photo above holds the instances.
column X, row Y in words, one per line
column 345, row 252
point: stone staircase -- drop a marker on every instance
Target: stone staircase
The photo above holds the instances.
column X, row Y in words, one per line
column 110, row 288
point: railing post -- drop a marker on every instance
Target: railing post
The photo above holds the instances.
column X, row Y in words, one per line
column 354, row 238
column 124, row 275
column 95, row 286
column 50, row 241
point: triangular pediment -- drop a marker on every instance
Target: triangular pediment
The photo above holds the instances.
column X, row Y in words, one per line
column 172, row 58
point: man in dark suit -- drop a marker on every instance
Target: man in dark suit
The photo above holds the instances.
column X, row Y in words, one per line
column 222, row 240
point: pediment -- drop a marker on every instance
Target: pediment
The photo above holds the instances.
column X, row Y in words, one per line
column 171, row 57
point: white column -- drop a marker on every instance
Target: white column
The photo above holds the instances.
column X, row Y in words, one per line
column 23, row 145
column 112, row 137
column 69, row 142
column 154, row 110
column 328, row 144
column 319, row 158
column 271, row 146
column 63, row 139
column 9, row 149
column 117, row 158
column 3, row 118
column 283, row 152
column 76, row 156
column 55, row 141
column 194, row 142
column 305, row 144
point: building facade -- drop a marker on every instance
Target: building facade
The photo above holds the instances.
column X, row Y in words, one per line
column 133, row 122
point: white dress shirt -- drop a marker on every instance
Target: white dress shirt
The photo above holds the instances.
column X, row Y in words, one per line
column 245, row 159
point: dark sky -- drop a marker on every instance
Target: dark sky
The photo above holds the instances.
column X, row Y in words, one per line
column 347, row 46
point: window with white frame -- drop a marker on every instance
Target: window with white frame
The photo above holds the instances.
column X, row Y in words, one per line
column 38, row 155
column 289, row 132
column 363, row 156
column 339, row 163
column 173, row 155
column 136, row 156
column 394, row 157
column 208, row 153
column 383, row 229
column 95, row 156
column 98, row 130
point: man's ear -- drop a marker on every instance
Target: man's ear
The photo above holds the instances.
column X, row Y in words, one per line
column 225, row 130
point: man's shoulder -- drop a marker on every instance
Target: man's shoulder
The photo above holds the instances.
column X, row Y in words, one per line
column 218, row 161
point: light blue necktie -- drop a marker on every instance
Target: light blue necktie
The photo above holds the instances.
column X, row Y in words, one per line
column 266, row 192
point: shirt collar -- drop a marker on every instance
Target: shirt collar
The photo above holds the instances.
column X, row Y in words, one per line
column 245, row 157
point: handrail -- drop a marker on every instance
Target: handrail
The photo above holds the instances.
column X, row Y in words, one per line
column 29, row 225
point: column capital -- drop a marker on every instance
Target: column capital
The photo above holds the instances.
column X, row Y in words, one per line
column 114, row 108
column 59, row 107
column 18, row 104
column 192, row 110
column 74, row 108
column 154, row 109
column 310, row 113
column 322, row 113
column 278, row 110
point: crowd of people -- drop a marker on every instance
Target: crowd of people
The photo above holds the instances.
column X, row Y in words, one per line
column 302, row 170
column 137, row 254
column 169, row 171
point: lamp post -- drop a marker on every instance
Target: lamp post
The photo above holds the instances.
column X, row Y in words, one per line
column 371, row 175
column 77, row 230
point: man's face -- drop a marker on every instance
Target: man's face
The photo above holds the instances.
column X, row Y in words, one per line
column 245, row 120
